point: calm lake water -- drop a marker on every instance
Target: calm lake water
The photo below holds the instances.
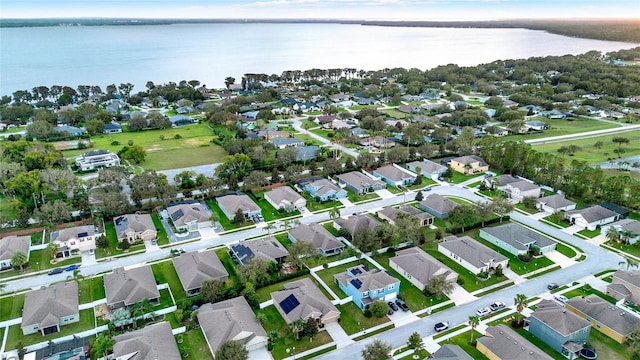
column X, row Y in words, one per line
column 102, row 55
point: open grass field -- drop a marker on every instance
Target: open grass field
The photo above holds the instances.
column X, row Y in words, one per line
column 593, row 155
column 559, row 127
column 193, row 148
column 394, row 113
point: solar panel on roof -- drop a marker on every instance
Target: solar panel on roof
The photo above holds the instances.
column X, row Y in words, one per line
column 82, row 234
column 356, row 271
column 177, row 215
column 289, row 303
column 356, row 283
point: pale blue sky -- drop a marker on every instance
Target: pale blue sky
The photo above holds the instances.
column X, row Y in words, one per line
column 334, row 9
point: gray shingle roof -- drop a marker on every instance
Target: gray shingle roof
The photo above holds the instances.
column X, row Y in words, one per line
column 359, row 180
column 316, row 234
column 231, row 319
column 393, row 173
column 555, row 201
column 438, row 203
column 12, row 244
column 593, row 213
column 231, row 203
column 46, row 306
column 632, row 277
column 324, row 186
column 605, row 313
column 556, row 317
column 311, row 301
column 518, row 236
column 470, row 159
column 267, row 248
column 190, row 212
column 471, row 250
column 194, row 268
column 451, row 352
column 72, row 233
column 370, row 279
column 130, row 286
column 282, row 141
column 392, row 213
column 420, row 265
column 427, row 166
column 153, row 342
column 136, row 223
column 355, row 222
column 506, row 344
column 286, row 193
column 629, row 225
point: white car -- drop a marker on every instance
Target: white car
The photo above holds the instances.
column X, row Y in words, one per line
column 483, row 311
column 561, row 298
column 497, row 306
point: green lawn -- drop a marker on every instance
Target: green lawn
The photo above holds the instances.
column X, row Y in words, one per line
column 629, row 249
column 162, row 234
column 286, row 339
column 264, row 293
column 355, row 198
column 582, row 291
column 40, row 260
column 269, row 213
column 591, row 154
column 554, row 220
column 87, row 321
column 471, row 281
column 229, row 265
column 327, row 275
column 195, row 344
column 91, row 289
column 164, row 272
column 222, row 218
column 565, row 250
column 5, row 208
column 165, row 300
column 462, row 340
column 460, row 177
column 589, row 233
column 11, row 307
column 313, row 205
column 564, row 127
column 394, row 113
column 352, row 319
column 608, row 348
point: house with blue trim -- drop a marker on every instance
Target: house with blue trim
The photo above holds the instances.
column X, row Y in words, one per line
column 365, row 286
column 562, row 330
column 322, row 188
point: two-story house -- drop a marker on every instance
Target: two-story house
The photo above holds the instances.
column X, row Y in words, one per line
column 78, row 238
column 469, row 164
column 365, row 286
column 9, row 246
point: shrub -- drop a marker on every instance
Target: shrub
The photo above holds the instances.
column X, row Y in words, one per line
column 177, row 136
column 483, row 275
column 115, row 143
column 460, row 281
column 368, row 314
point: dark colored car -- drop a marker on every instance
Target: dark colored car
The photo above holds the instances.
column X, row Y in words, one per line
column 390, row 311
column 552, row 286
column 55, row 271
column 441, row 326
column 402, row 305
column 72, row 267
column 393, row 306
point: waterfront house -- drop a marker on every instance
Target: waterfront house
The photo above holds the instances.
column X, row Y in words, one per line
column 302, row 300
column 471, row 254
column 419, row 267
column 194, row 268
column 365, row 286
column 231, row 320
column 46, row 309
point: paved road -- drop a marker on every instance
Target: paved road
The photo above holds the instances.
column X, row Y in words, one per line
column 297, row 124
column 583, row 135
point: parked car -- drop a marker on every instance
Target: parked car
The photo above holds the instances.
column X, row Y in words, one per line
column 483, row 311
column 497, row 306
column 154, row 242
column 402, row 305
column 561, row 298
column 552, row 286
column 55, row 271
column 390, row 311
column 72, row 267
column 393, row 306
column 441, row 326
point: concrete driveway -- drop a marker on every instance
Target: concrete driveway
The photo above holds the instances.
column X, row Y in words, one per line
column 338, row 335
column 460, row 296
column 559, row 259
column 88, row 259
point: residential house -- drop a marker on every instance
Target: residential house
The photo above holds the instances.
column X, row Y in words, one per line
column 96, row 159
column 450, row 352
column 229, row 320
column 394, row 175
column 251, row 115
column 112, row 128
column 518, row 239
column 269, row 134
column 625, row 285
column 155, row 342
column 46, row 309
column 419, row 267
column 355, row 222
column 591, row 217
column 630, row 226
column 325, row 119
column 194, row 268
column 623, row 212
column 127, row 287
column 563, row 330
column 322, row 239
column 469, row 164
column 360, row 183
column 180, row 120
column 301, row 300
column 378, row 141
column 9, row 246
column 536, row 125
column 516, row 188
column 501, row 342
column 365, row 286
column 322, row 188
column 232, row 203
column 268, row 249
column 554, row 203
column 390, row 214
column 69, row 131
column 134, row 227
column 282, row 142
column 428, row 168
column 306, row 153
column 471, row 254
column 189, row 215
column 285, row 197
column 74, row 239
column 605, row 317
column 437, row 205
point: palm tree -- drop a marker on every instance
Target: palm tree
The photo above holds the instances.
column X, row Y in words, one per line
column 76, row 275
column 19, row 259
column 630, row 262
column 269, row 227
column 334, row 213
column 520, row 301
column 474, row 321
column 440, row 286
column 52, row 249
column 613, row 234
column 296, row 327
column 140, row 308
column 626, row 235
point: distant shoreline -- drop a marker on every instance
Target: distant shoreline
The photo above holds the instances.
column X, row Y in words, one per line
column 625, row 30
